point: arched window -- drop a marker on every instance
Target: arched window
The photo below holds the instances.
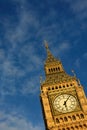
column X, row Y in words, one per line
column 49, row 70
column 70, row 84
column 85, row 125
column 52, row 88
column 63, row 86
column 59, row 68
column 57, row 120
column 73, row 117
column 56, row 87
column 61, row 119
column 67, row 85
column 59, row 86
column 49, row 88
column 77, row 115
column 76, row 127
column 81, row 115
column 69, row 117
column 53, row 69
column 65, row 119
column 72, row 128
column 56, row 68
column 63, row 128
column 80, row 126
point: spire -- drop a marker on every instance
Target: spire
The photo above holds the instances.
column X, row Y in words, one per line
column 47, row 48
column 50, row 57
column 46, row 44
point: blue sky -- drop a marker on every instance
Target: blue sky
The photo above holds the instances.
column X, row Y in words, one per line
column 24, row 25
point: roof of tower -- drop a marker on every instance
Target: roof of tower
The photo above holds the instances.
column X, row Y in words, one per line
column 50, row 57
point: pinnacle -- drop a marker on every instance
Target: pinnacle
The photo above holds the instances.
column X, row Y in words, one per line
column 50, row 57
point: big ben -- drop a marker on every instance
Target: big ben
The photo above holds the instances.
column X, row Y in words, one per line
column 63, row 100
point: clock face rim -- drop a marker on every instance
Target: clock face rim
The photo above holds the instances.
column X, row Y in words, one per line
column 65, row 103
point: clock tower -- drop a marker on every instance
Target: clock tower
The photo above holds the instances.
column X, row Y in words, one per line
column 64, row 103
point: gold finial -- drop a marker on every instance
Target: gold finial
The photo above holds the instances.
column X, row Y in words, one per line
column 79, row 82
column 73, row 73
column 46, row 44
column 40, row 79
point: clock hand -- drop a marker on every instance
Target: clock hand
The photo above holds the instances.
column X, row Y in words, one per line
column 66, row 101
column 65, row 104
column 67, row 98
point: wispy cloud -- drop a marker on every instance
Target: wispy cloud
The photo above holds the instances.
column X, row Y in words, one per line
column 30, row 85
column 13, row 71
column 85, row 55
column 21, row 58
column 14, row 121
column 62, row 48
column 79, row 8
column 23, row 29
column 77, row 63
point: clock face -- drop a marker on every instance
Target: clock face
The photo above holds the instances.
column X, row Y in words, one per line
column 65, row 103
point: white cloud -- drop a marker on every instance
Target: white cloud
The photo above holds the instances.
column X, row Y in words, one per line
column 79, row 6
column 79, row 60
column 77, row 63
column 85, row 55
column 20, row 59
column 62, row 48
column 12, row 71
column 28, row 53
column 30, row 85
column 14, row 121
column 8, row 68
column 2, row 55
column 22, row 30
